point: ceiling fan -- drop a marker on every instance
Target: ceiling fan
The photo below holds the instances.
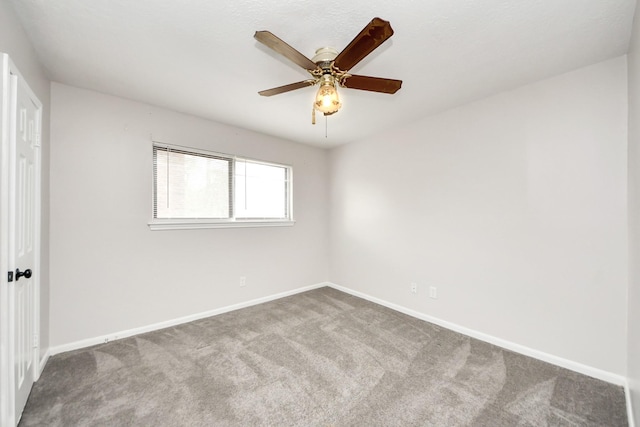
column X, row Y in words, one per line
column 329, row 68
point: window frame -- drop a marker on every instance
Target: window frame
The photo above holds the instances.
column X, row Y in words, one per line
column 233, row 222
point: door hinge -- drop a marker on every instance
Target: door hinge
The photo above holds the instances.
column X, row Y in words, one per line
column 10, row 277
column 36, row 341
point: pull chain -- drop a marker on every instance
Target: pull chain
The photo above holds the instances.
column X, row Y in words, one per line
column 313, row 121
column 325, row 126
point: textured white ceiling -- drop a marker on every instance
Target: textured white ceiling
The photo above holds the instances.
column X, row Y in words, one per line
column 200, row 57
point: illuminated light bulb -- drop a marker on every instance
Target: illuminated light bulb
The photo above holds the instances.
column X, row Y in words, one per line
column 327, row 100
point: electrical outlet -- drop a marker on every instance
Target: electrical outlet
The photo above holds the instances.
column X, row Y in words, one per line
column 243, row 281
column 433, row 292
column 414, row 287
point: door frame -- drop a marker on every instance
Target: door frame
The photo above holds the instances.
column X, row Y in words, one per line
column 8, row 71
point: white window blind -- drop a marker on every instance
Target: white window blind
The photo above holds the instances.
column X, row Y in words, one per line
column 191, row 185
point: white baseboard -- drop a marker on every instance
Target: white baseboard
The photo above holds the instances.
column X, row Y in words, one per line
column 627, row 393
column 536, row 354
column 555, row 360
column 173, row 322
column 42, row 362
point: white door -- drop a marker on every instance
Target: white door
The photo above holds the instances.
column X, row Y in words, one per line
column 20, row 210
column 23, row 225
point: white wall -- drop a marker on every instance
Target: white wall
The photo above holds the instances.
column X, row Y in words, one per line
column 633, row 338
column 513, row 206
column 14, row 41
column 110, row 273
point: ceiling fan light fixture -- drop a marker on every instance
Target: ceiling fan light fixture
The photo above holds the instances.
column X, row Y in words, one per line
column 327, row 99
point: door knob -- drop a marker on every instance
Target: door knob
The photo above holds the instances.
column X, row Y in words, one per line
column 26, row 273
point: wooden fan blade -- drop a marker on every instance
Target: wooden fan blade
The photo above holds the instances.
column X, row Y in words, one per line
column 272, row 41
column 371, row 36
column 287, row 88
column 373, row 84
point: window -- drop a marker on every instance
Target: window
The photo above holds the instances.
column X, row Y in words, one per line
column 199, row 189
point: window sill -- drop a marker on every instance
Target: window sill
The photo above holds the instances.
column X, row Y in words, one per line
column 192, row 224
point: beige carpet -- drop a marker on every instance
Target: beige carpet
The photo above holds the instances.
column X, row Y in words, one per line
column 320, row 358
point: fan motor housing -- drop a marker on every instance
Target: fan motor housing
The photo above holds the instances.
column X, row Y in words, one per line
column 324, row 55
